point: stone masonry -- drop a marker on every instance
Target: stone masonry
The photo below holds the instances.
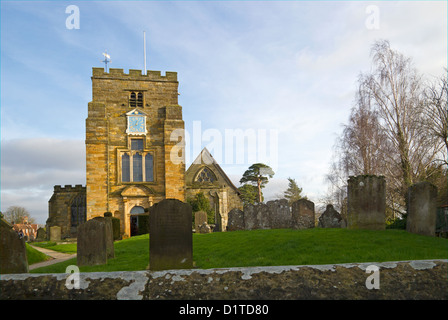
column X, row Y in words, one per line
column 109, row 141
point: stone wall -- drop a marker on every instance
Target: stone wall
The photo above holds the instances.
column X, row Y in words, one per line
column 395, row 280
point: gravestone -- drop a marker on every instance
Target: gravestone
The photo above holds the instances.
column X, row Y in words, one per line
column 280, row 214
column 422, row 209
column 13, row 258
column 55, row 233
column 235, row 220
column 200, row 217
column 41, row 234
column 366, row 197
column 303, row 215
column 171, row 237
column 257, row 216
column 331, row 218
column 205, row 228
column 92, row 243
column 109, row 234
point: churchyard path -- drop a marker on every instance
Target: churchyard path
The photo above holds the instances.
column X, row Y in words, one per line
column 56, row 257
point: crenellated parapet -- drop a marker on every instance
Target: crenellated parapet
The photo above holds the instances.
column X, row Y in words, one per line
column 116, row 73
column 69, row 188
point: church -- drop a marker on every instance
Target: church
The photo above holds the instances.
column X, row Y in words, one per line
column 135, row 156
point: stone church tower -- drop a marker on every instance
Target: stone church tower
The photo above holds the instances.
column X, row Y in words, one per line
column 134, row 153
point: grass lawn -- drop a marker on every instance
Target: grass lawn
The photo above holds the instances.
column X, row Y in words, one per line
column 277, row 247
column 35, row 256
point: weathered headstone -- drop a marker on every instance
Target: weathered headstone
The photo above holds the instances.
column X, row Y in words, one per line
column 200, row 217
column 55, row 233
column 331, row 218
column 92, row 243
column 171, row 237
column 235, row 220
column 280, row 214
column 303, row 215
column 257, row 216
column 422, row 209
column 366, row 202
column 13, row 258
column 205, row 228
column 109, row 234
column 41, row 234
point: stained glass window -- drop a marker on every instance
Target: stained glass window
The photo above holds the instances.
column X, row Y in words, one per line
column 205, row 175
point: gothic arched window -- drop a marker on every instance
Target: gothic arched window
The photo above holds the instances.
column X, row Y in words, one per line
column 78, row 210
column 205, row 175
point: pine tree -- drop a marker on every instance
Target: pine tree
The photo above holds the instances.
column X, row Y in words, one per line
column 258, row 174
column 293, row 193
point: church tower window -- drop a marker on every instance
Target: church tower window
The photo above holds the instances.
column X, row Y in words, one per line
column 136, row 99
column 125, row 168
column 78, row 210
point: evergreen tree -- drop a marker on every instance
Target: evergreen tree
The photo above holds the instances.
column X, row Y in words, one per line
column 293, row 193
column 258, row 174
column 249, row 194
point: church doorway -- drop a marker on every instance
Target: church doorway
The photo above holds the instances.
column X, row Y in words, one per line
column 138, row 221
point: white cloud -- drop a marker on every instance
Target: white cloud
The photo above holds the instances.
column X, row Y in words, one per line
column 31, row 167
column 290, row 66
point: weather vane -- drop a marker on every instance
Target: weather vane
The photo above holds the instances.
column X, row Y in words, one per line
column 106, row 59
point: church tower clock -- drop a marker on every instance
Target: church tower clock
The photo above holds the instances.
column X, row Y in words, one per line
column 132, row 131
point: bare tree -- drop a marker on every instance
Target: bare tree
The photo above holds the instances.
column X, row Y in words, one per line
column 396, row 91
column 435, row 115
column 16, row 214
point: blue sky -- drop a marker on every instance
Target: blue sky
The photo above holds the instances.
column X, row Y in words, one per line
column 286, row 67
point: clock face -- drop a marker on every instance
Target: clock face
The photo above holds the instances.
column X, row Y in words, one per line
column 136, row 125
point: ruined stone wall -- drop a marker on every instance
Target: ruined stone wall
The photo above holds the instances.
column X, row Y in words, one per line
column 406, row 280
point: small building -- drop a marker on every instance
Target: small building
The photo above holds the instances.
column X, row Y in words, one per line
column 206, row 176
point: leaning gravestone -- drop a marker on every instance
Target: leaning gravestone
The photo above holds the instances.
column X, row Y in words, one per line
column 92, row 243
column 235, row 220
column 13, row 258
column 200, row 218
column 422, row 209
column 55, row 233
column 303, row 214
column 366, row 197
column 171, row 237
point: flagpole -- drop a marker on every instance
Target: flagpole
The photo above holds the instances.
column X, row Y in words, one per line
column 144, row 51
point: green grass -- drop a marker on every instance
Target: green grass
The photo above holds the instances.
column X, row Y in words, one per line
column 278, row 247
column 35, row 256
